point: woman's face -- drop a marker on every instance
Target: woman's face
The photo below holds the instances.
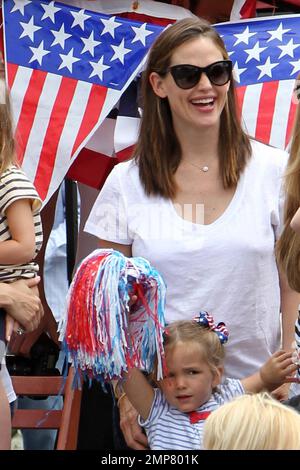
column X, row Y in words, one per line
column 202, row 105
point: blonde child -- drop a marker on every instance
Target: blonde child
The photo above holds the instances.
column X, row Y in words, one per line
column 253, row 422
column 173, row 414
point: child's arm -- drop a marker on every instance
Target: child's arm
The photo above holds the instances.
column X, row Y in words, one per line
column 21, row 248
column 139, row 392
column 279, row 369
column 295, row 222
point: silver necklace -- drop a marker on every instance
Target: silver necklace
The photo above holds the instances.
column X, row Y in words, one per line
column 201, row 168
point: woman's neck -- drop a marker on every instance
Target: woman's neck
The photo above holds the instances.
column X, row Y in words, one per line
column 199, row 145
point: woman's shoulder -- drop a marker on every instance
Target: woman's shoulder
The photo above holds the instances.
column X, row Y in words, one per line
column 125, row 169
column 266, row 156
column 125, row 177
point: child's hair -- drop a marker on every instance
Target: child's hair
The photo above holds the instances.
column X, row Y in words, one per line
column 7, row 142
column 288, row 245
column 253, row 422
column 191, row 332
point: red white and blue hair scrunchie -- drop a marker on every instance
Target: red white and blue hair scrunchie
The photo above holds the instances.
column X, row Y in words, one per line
column 206, row 320
column 101, row 334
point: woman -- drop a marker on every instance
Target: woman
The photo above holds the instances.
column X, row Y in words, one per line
column 288, row 245
column 201, row 202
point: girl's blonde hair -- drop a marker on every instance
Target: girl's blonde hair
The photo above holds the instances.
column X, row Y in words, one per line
column 158, row 151
column 7, row 142
column 191, row 332
column 253, row 422
column 288, row 245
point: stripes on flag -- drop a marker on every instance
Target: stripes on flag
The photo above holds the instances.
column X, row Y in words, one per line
column 61, row 89
column 267, row 111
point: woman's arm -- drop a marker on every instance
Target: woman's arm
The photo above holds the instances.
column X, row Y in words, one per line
column 295, row 222
column 21, row 248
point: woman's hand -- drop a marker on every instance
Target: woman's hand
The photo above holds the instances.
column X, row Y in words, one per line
column 133, row 434
column 21, row 303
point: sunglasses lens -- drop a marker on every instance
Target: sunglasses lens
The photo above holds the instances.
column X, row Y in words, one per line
column 186, row 76
column 219, row 73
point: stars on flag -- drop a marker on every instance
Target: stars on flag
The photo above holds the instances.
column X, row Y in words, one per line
column 38, row 53
column 98, row 68
column 141, row 33
column 68, row 60
column 278, row 33
column 244, row 36
column 272, row 49
column 89, row 44
column 120, row 51
column 75, row 42
column 110, row 25
column 50, row 11
column 19, row 5
column 29, row 29
column 79, row 18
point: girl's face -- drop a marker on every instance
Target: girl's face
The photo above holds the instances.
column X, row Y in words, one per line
column 190, row 381
column 200, row 106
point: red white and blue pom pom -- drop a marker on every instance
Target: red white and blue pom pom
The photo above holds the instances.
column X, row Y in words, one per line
column 104, row 338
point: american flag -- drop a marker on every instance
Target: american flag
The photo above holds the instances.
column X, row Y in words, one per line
column 266, row 57
column 67, row 68
column 265, row 53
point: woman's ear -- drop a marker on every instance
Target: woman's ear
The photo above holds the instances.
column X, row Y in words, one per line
column 218, row 376
column 157, row 83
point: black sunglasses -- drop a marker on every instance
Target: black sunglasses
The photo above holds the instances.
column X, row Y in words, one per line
column 187, row 76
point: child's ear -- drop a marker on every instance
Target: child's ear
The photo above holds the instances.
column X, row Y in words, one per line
column 218, row 376
column 157, row 83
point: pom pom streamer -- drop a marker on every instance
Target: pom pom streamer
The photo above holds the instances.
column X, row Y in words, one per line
column 104, row 338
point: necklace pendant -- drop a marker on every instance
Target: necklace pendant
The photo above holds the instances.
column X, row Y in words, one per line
column 205, row 169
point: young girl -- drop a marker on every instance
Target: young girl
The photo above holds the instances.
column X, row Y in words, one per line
column 253, row 422
column 20, row 233
column 173, row 414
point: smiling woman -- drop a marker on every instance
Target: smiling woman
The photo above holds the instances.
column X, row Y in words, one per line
column 201, row 202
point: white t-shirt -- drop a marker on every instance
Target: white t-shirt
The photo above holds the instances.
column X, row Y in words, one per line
column 227, row 267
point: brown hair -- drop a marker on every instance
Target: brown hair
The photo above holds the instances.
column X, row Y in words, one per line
column 158, row 151
column 7, row 142
column 191, row 332
column 288, row 245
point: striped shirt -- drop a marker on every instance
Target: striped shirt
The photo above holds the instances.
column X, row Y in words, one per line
column 167, row 428
column 14, row 185
column 297, row 340
column 295, row 387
